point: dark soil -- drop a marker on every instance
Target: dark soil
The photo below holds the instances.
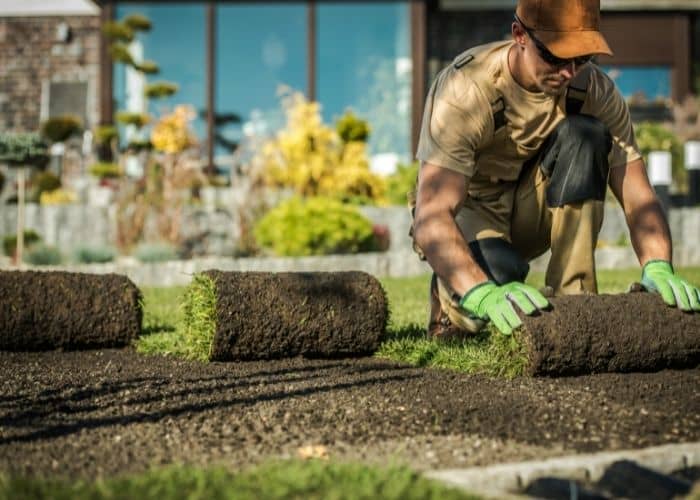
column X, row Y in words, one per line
column 611, row 333
column 276, row 315
column 91, row 413
column 51, row 310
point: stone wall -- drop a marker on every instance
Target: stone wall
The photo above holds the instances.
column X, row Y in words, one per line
column 32, row 56
column 71, row 226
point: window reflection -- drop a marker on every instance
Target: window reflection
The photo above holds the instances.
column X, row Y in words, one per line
column 364, row 63
column 259, row 48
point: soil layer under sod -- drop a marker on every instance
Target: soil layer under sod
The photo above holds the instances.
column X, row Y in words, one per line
column 62, row 310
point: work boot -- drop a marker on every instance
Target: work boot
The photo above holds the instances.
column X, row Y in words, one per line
column 440, row 326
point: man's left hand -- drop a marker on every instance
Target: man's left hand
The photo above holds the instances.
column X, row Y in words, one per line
column 658, row 276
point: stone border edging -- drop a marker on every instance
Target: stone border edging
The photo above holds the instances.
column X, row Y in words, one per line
column 509, row 479
column 394, row 264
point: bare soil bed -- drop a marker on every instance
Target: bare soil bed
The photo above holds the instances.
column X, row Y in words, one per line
column 90, row 413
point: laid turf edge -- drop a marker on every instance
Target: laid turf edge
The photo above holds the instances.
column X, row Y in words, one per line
column 312, row 479
column 488, row 353
column 199, row 317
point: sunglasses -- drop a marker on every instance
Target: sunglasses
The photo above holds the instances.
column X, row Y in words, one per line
column 547, row 56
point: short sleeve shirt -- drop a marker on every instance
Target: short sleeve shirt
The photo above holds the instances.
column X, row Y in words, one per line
column 457, row 130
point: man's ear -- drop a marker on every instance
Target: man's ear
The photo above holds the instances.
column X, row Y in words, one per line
column 519, row 33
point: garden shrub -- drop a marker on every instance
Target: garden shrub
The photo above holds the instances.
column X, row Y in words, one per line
column 43, row 255
column 314, row 226
column 60, row 128
column 137, row 22
column 118, row 31
column 314, row 160
column 105, row 134
column 160, row 89
column 351, row 128
column 9, row 242
column 58, row 197
column 136, row 119
column 653, row 136
column 105, row 170
column 155, row 252
column 400, row 183
column 23, row 149
column 43, row 182
column 94, row 254
column 148, row 67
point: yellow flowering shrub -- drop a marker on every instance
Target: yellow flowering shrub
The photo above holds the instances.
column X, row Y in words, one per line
column 312, row 159
column 172, row 133
column 57, row 197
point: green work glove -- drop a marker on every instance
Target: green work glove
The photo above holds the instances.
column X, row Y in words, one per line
column 488, row 301
column 658, row 276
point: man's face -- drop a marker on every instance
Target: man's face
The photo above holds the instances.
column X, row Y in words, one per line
column 546, row 72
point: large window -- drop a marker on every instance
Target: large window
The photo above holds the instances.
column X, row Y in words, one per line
column 177, row 44
column 259, row 47
column 648, row 83
column 364, row 63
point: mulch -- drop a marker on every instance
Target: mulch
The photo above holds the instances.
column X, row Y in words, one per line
column 108, row 412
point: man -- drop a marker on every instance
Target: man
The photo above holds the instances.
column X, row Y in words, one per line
column 519, row 141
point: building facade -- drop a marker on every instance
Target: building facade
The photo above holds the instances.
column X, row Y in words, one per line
column 230, row 58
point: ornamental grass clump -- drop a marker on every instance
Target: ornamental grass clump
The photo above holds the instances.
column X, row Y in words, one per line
column 95, row 254
column 199, row 312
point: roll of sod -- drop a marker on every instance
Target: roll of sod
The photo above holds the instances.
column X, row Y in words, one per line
column 611, row 333
column 60, row 310
column 256, row 315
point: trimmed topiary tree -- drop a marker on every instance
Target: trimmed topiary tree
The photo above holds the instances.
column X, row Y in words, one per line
column 20, row 150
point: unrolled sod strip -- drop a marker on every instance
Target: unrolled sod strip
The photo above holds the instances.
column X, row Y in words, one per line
column 61, row 310
column 256, row 315
column 610, row 333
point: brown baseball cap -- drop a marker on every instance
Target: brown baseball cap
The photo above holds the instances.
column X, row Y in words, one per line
column 568, row 28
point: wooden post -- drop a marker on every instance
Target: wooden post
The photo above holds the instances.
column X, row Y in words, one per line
column 20, row 216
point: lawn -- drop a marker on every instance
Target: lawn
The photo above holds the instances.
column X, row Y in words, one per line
column 487, row 353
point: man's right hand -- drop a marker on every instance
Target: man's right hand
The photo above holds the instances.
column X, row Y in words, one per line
column 489, row 301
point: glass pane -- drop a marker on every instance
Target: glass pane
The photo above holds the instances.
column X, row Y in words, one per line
column 259, row 48
column 648, row 83
column 364, row 63
column 177, row 44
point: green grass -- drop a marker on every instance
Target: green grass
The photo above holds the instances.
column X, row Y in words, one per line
column 408, row 302
column 313, row 479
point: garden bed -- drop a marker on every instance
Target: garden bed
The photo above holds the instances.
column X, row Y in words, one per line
column 100, row 413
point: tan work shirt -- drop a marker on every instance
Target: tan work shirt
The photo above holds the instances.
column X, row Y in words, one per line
column 458, row 123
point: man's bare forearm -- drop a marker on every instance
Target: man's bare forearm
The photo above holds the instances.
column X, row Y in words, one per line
column 447, row 253
column 649, row 232
column 441, row 194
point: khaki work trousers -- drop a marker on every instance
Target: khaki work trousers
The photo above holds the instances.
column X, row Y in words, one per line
column 518, row 213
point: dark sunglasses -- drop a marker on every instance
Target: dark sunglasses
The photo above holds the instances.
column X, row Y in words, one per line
column 547, row 56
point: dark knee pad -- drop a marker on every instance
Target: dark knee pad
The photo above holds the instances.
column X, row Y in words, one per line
column 575, row 159
column 499, row 260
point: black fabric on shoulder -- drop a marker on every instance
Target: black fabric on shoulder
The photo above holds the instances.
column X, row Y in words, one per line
column 575, row 159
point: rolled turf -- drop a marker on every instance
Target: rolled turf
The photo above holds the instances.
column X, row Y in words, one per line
column 610, row 333
column 256, row 315
column 61, row 310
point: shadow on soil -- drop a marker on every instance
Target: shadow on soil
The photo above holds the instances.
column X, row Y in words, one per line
column 58, row 412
